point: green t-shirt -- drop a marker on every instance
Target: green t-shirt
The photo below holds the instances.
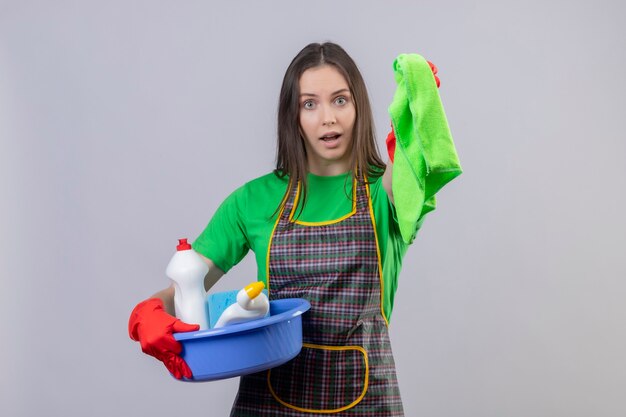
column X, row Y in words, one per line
column 246, row 219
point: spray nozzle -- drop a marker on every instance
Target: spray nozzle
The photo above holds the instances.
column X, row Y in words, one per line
column 254, row 289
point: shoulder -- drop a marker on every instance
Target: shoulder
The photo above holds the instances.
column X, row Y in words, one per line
column 259, row 196
column 264, row 186
column 254, row 189
column 271, row 179
column 375, row 182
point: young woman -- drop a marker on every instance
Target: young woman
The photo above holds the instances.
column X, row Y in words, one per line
column 322, row 227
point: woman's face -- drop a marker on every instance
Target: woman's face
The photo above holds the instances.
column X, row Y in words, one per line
column 327, row 116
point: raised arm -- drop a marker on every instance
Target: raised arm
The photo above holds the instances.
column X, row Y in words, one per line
column 422, row 154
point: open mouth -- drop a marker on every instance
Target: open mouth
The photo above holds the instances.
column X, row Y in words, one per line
column 330, row 138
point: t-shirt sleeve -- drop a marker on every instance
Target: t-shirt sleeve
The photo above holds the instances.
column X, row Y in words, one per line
column 224, row 239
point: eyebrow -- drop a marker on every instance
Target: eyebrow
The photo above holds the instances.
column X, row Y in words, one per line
column 332, row 94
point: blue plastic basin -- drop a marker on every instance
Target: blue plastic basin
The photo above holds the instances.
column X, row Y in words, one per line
column 245, row 348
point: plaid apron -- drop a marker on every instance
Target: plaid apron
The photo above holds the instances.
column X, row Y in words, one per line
column 346, row 366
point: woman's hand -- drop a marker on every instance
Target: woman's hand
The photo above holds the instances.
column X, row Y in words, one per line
column 434, row 69
column 153, row 328
column 152, row 324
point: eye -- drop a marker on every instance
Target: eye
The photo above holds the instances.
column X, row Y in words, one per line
column 341, row 101
column 308, row 104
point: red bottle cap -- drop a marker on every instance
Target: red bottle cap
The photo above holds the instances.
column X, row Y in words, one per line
column 183, row 245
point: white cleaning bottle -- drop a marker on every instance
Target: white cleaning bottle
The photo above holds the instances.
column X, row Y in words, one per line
column 187, row 271
column 251, row 304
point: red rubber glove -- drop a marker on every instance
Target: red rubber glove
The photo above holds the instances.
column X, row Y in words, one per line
column 391, row 144
column 434, row 69
column 150, row 325
column 391, row 137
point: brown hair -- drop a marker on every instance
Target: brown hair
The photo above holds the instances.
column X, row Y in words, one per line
column 291, row 157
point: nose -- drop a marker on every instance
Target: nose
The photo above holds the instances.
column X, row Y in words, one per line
column 328, row 116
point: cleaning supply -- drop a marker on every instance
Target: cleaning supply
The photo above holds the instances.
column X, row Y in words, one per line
column 425, row 158
column 220, row 301
column 391, row 137
column 187, row 271
column 251, row 304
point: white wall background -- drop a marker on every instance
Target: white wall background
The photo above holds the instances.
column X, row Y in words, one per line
column 124, row 124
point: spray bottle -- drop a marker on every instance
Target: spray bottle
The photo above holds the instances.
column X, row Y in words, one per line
column 187, row 271
column 251, row 304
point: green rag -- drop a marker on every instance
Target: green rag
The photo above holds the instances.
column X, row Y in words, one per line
column 425, row 158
